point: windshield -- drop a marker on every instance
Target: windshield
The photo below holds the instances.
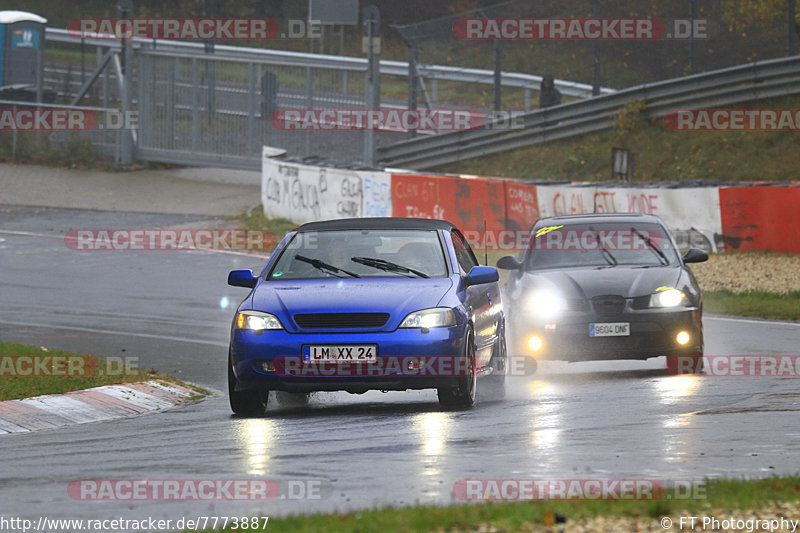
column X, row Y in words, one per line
column 600, row 245
column 361, row 254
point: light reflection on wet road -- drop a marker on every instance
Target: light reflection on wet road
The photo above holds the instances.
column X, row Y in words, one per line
column 623, row 419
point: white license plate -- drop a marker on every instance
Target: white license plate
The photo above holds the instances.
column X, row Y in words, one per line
column 610, row 329
column 340, row 352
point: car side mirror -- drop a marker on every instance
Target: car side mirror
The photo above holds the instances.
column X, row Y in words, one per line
column 242, row 278
column 481, row 274
column 695, row 255
column 509, row 262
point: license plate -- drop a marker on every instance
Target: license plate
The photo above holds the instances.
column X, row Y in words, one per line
column 340, row 352
column 610, row 329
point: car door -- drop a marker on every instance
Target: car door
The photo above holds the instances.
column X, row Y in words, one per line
column 481, row 300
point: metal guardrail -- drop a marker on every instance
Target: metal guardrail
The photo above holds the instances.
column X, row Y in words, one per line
column 393, row 68
column 763, row 79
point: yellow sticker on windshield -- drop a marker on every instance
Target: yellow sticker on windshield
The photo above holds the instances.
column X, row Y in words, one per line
column 542, row 231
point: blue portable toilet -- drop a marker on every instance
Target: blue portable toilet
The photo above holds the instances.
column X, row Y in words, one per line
column 21, row 51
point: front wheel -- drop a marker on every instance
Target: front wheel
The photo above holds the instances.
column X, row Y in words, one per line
column 462, row 396
column 251, row 402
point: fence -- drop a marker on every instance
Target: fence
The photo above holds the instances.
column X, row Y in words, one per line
column 214, row 109
column 763, row 79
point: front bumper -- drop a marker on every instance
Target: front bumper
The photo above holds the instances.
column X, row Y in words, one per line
column 653, row 333
column 252, row 351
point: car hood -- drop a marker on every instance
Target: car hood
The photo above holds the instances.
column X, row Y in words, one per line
column 396, row 296
column 586, row 283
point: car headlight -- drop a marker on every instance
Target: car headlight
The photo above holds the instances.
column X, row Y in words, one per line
column 436, row 317
column 667, row 298
column 545, row 303
column 257, row 321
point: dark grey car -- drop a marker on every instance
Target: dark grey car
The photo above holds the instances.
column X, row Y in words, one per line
column 603, row 286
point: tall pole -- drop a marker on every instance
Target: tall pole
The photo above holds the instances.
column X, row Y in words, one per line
column 125, row 11
column 791, row 28
column 372, row 91
column 412, row 81
column 692, row 16
column 497, row 75
column 595, row 53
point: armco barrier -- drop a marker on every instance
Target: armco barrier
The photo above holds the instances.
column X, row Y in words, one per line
column 761, row 217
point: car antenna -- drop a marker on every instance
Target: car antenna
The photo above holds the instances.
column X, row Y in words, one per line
column 485, row 244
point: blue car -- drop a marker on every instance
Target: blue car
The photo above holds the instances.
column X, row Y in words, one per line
column 367, row 304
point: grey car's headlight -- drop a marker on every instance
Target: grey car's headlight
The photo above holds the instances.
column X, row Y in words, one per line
column 546, row 303
column 435, row 317
column 668, row 298
column 257, row 321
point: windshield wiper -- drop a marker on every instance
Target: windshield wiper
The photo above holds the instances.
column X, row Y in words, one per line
column 661, row 257
column 321, row 265
column 387, row 265
column 608, row 256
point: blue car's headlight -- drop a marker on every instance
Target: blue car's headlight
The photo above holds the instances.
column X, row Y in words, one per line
column 257, row 321
column 668, row 298
column 435, row 317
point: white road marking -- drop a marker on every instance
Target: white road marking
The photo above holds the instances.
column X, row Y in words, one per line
column 750, row 320
column 114, row 332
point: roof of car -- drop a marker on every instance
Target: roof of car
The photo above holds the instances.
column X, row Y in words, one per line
column 377, row 223
column 591, row 218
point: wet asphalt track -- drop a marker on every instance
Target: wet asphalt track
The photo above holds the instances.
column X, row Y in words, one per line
column 623, row 419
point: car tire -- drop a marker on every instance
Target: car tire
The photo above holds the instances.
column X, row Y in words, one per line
column 292, row 399
column 462, row 396
column 251, row 402
column 496, row 381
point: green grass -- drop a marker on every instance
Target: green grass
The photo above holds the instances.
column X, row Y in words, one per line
column 256, row 220
column 525, row 516
column 760, row 304
column 87, row 372
column 662, row 154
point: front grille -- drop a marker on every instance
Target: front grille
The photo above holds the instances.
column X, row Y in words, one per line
column 608, row 306
column 576, row 305
column 340, row 320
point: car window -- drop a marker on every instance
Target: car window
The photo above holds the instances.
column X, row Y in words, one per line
column 600, row 244
column 363, row 253
column 464, row 256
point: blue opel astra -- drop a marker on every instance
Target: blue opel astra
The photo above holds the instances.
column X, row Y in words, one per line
column 367, row 304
